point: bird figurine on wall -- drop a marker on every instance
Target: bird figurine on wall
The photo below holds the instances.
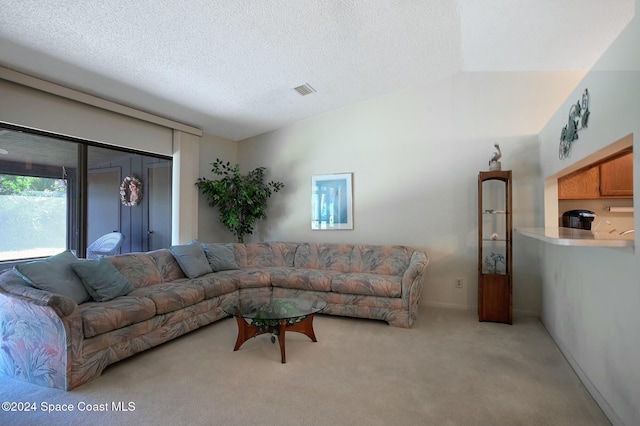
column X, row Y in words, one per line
column 494, row 164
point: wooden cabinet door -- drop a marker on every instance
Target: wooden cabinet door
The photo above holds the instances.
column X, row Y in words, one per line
column 616, row 177
column 580, row 185
column 495, row 298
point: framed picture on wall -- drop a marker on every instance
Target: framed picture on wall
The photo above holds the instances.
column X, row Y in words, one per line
column 332, row 201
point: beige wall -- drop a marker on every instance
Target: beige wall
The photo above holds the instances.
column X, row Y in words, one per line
column 415, row 156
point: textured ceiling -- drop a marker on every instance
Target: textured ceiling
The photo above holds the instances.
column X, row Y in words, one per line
column 229, row 67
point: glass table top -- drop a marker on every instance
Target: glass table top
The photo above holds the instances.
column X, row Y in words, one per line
column 273, row 307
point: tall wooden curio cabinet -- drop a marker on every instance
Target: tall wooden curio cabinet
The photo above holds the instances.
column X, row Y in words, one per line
column 495, row 234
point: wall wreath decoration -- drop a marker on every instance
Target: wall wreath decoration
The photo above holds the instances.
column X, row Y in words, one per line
column 131, row 191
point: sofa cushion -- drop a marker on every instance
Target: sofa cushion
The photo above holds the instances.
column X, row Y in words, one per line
column 221, row 257
column 367, row 284
column 382, row 260
column 55, row 274
column 334, row 257
column 191, row 259
column 259, row 255
column 248, row 277
column 284, row 253
column 98, row 318
column 302, row 278
column 101, row 279
column 166, row 264
column 170, row 297
column 240, row 253
column 138, row 268
column 216, row 284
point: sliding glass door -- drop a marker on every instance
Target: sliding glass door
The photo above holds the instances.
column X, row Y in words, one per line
column 42, row 207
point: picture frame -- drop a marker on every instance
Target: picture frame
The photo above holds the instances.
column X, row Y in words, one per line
column 332, row 201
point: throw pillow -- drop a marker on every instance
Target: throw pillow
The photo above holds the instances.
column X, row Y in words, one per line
column 220, row 257
column 191, row 259
column 101, row 279
column 55, row 274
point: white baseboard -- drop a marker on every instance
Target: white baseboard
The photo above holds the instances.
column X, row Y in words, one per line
column 584, row 378
column 526, row 313
column 448, row 306
column 519, row 312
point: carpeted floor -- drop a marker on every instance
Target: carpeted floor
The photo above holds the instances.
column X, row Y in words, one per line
column 449, row 369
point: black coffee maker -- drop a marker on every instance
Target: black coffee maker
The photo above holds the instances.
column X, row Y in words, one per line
column 580, row 219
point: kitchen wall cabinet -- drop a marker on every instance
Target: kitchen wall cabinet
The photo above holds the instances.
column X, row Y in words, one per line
column 580, row 185
column 616, row 177
column 612, row 179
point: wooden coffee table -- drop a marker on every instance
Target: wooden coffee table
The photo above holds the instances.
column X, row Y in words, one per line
column 261, row 314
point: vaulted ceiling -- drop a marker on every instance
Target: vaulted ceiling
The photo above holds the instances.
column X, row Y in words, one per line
column 230, row 67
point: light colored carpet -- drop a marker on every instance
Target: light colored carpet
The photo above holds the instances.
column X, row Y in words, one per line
column 449, row 369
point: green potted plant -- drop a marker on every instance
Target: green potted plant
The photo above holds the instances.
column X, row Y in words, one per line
column 241, row 199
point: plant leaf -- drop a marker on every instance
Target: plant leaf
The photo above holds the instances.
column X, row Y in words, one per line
column 241, row 199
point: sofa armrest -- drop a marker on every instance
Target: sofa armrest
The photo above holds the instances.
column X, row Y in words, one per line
column 13, row 285
column 36, row 336
column 412, row 278
column 34, row 343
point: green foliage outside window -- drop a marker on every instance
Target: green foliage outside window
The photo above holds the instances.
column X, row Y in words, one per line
column 28, row 185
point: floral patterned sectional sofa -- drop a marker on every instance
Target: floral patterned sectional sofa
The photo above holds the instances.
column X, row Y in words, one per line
column 138, row 300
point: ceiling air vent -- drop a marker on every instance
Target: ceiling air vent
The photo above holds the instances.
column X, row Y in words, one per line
column 305, row 89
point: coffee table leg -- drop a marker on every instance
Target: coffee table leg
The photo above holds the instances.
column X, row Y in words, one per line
column 305, row 327
column 281, row 340
column 245, row 332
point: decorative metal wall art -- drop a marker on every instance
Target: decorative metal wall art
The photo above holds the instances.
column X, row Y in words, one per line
column 578, row 120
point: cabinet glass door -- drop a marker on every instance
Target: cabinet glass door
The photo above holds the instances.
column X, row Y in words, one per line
column 494, row 227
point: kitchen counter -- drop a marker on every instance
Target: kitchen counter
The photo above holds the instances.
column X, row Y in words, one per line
column 578, row 237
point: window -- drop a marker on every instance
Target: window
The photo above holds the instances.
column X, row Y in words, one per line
column 42, row 212
column 33, row 216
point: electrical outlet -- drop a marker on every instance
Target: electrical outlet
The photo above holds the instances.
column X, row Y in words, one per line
column 459, row 282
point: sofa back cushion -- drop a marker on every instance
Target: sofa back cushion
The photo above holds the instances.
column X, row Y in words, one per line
column 240, row 253
column 382, row 260
column 265, row 255
column 101, row 279
column 167, row 265
column 138, row 268
column 259, row 255
column 221, row 257
column 284, row 254
column 334, row 257
column 191, row 259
